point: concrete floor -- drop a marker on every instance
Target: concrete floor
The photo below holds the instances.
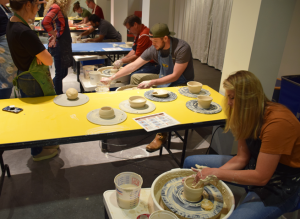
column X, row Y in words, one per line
column 71, row 185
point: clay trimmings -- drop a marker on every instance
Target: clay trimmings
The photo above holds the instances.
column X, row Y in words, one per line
column 207, row 205
column 72, row 94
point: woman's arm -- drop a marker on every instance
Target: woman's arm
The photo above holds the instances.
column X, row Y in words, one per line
column 239, row 161
column 265, row 168
column 45, row 57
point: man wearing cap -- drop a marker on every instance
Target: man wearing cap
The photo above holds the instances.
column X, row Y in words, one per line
column 141, row 43
column 176, row 66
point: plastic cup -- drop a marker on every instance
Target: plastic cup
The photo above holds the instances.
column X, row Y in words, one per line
column 128, row 188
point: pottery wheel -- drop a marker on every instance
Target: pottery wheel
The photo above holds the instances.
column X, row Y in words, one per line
column 172, row 96
column 125, row 106
column 106, row 72
column 62, row 100
column 94, row 117
column 185, row 92
column 172, row 196
column 193, row 105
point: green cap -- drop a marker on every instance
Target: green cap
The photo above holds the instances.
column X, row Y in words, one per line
column 160, row 30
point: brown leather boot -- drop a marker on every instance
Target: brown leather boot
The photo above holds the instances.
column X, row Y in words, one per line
column 159, row 139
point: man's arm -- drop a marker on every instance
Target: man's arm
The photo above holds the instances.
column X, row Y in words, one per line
column 98, row 39
column 126, row 70
column 177, row 72
column 87, row 32
column 130, row 57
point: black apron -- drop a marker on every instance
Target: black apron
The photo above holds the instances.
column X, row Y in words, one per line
column 65, row 43
column 284, row 183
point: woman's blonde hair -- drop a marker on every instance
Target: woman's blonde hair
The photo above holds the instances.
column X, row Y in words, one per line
column 63, row 4
column 245, row 117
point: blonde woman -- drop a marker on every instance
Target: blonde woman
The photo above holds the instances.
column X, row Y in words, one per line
column 56, row 24
column 268, row 157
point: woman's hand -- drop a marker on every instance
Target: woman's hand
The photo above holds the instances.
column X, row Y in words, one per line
column 38, row 61
column 52, row 41
column 202, row 174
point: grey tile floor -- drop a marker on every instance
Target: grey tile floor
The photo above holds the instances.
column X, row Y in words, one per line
column 71, row 184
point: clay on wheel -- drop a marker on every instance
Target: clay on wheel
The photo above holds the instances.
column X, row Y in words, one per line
column 207, row 205
column 72, row 93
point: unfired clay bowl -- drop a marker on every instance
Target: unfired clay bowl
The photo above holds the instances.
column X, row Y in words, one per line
column 192, row 195
column 204, row 101
column 107, row 112
column 137, row 101
column 129, row 43
column 194, row 87
column 72, row 93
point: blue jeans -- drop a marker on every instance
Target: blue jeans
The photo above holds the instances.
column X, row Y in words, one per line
column 60, row 73
column 252, row 207
column 29, row 87
column 5, row 93
column 148, row 68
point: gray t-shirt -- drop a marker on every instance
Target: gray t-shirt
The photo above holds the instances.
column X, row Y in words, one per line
column 181, row 53
column 108, row 30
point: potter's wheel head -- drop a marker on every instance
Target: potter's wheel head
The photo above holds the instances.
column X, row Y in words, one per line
column 173, row 198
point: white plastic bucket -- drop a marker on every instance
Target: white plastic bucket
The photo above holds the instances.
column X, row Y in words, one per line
column 95, row 77
column 128, row 188
column 163, row 215
column 87, row 69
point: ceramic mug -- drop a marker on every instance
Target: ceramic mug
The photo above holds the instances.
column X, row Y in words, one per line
column 194, row 87
column 107, row 112
column 204, row 101
column 192, row 195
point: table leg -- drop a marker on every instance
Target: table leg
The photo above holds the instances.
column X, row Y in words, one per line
column 4, row 168
column 184, row 147
column 78, row 70
column 104, row 146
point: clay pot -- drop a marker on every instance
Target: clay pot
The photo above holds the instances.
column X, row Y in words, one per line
column 192, row 195
column 107, row 112
column 204, row 101
column 137, row 101
column 194, row 87
column 114, row 70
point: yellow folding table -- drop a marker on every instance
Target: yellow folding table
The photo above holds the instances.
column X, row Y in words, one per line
column 43, row 123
